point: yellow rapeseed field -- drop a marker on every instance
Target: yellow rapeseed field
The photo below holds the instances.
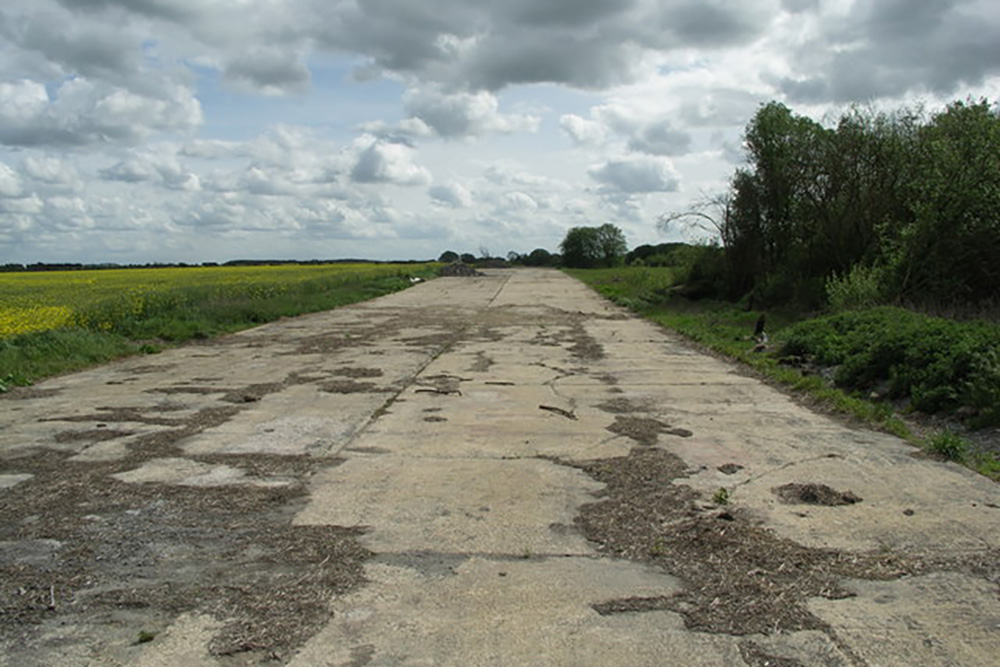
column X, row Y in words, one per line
column 38, row 301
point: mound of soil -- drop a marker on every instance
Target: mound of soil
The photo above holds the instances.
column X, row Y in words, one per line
column 458, row 270
column 815, row 494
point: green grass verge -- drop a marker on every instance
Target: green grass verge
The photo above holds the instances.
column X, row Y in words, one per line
column 726, row 329
column 182, row 315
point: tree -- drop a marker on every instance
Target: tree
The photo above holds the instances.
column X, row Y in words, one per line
column 951, row 250
column 538, row 257
column 588, row 247
column 448, row 257
column 468, row 258
column 612, row 245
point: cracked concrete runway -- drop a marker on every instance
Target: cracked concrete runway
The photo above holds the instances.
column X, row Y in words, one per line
column 436, row 428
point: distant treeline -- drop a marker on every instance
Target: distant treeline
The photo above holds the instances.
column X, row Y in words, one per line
column 881, row 208
column 11, row 268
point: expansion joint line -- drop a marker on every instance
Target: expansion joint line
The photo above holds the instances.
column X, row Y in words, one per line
column 412, row 380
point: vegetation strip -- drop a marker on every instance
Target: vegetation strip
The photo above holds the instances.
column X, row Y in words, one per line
column 58, row 322
column 880, row 357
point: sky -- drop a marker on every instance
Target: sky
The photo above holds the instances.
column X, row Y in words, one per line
column 135, row 131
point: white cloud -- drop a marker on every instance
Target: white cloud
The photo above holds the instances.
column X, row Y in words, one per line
column 142, row 125
column 636, row 174
column 380, row 161
column 157, row 167
column 453, row 195
column 582, row 131
column 83, row 112
column 464, row 114
column 10, row 183
column 52, row 173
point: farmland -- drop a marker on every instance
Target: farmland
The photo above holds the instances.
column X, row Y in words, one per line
column 51, row 321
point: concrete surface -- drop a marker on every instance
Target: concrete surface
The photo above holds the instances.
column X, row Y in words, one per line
column 428, row 405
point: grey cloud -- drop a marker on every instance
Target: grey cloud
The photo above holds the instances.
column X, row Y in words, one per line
column 799, row 6
column 572, row 13
column 91, row 49
column 175, row 10
column 163, row 170
column 660, row 139
column 712, row 23
column 496, row 43
column 269, row 70
column 530, row 56
column 636, row 174
column 890, row 47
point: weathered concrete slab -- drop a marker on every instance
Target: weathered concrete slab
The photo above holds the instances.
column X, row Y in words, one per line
column 457, row 505
column 444, row 421
column 489, row 612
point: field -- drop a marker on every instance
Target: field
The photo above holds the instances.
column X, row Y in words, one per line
column 53, row 322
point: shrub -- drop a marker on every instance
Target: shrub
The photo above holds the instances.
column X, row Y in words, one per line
column 948, row 445
column 861, row 287
column 939, row 364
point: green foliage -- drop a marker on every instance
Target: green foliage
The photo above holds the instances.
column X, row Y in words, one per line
column 591, row 247
column 634, row 287
column 725, row 328
column 951, row 248
column 174, row 316
column 862, row 287
column 27, row 358
column 448, row 257
column 939, row 364
column 948, row 445
column 917, row 198
column 539, row 257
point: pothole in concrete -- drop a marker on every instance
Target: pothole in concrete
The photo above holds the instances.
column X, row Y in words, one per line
column 729, row 468
column 815, row 494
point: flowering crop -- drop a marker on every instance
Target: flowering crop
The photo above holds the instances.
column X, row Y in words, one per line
column 103, row 299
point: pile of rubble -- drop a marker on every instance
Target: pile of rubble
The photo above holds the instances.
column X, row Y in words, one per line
column 458, row 270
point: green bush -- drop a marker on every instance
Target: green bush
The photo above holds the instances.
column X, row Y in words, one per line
column 948, row 445
column 939, row 364
column 861, row 287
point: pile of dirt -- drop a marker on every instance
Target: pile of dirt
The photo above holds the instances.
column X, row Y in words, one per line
column 815, row 494
column 458, row 270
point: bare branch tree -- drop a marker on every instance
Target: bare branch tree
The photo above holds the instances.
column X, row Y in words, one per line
column 710, row 214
